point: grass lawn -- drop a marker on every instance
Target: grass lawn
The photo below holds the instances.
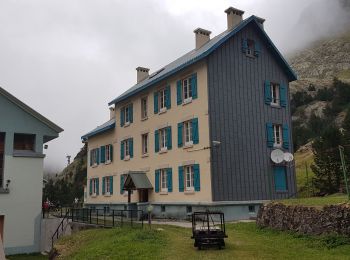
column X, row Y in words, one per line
column 317, row 201
column 245, row 241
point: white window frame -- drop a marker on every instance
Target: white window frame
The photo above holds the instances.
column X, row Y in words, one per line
column 126, row 115
column 107, row 154
column 144, row 140
column 163, row 139
column 275, row 94
column 187, row 90
column 250, row 47
column 144, row 107
column 162, row 100
column 163, row 180
column 94, row 157
column 107, row 185
column 189, row 177
column 94, row 186
column 126, row 149
column 277, row 135
column 187, row 133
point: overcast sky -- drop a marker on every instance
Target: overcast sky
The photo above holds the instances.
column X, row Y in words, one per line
column 68, row 58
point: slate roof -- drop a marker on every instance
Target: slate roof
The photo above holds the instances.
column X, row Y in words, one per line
column 110, row 124
column 198, row 54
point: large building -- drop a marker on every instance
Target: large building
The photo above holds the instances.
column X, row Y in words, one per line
column 198, row 132
column 23, row 132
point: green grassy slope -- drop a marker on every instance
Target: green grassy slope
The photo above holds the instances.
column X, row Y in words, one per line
column 245, row 241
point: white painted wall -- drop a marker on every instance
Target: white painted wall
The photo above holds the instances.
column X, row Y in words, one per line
column 22, row 206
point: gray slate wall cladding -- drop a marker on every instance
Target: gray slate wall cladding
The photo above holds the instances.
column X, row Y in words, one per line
column 241, row 166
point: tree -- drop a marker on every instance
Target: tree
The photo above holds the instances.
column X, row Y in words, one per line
column 327, row 165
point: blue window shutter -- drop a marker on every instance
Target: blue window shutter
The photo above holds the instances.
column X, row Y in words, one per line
column 97, row 156
column 197, row 177
column 170, row 179
column 194, row 85
column 156, row 181
column 179, row 92
column 180, row 127
column 91, row 157
column 122, row 150
column 169, row 141
column 181, row 179
column 103, row 154
column 121, row 183
column 267, row 91
column 283, row 95
column 156, row 141
column 195, row 133
column 285, row 136
column 103, row 185
column 280, row 178
column 111, row 152
column 110, row 184
column 244, row 45
column 257, row 49
column 168, row 97
column 131, row 113
column 131, row 147
column 122, row 115
column 97, row 186
column 269, row 133
column 90, row 192
column 155, row 99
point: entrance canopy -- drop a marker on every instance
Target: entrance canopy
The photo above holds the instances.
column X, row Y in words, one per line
column 137, row 181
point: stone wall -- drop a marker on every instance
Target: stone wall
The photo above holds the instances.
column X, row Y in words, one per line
column 306, row 220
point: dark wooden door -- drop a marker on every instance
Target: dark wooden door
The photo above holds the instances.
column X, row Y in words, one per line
column 143, row 195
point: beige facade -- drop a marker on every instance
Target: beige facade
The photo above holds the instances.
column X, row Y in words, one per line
column 197, row 108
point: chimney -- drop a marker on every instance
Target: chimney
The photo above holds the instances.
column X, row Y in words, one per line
column 111, row 112
column 202, row 37
column 234, row 17
column 260, row 21
column 142, row 73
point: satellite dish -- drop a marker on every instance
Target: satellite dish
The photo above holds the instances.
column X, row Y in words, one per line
column 288, row 157
column 277, row 156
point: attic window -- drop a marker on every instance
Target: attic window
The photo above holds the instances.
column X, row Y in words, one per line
column 156, row 73
column 24, row 142
column 250, row 49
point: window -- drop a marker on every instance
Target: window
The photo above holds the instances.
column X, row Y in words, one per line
column 277, row 135
column 2, row 152
column 94, row 157
column 106, row 209
column 94, row 185
column 162, row 208
column 275, row 94
column 189, row 177
column 107, row 184
column 24, row 142
column 250, row 47
column 251, row 208
column 106, row 153
column 187, row 89
column 188, row 209
column 144, row 108
column 126, row 115
column 163, row 139
column 144, row 138
column 188, row 136
column 126, row 149
column 163, row 180
column 162, row 97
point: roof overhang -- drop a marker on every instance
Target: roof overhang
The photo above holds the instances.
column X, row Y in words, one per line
column 99, row 130
column 204, row 52
column 137, row 181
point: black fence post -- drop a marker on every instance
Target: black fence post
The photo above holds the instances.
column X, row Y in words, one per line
column 90, row 215
column 122, row 214
column 96, row 216
column 104, row 217
column 113, row 217
column 131, row 215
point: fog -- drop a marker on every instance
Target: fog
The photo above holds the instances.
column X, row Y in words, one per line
column 68, row 58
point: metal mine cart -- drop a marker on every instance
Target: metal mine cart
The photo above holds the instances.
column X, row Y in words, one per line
column 208, row 229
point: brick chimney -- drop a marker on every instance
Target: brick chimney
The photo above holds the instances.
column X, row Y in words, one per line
column 202, row 37
column 142, row 73
column 234, row 17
